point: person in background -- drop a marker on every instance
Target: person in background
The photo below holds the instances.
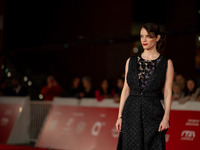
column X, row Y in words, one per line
column 88, row 90
column 198, row 98
column 176, row 92
column 180, row 80
column 16, row 90
column 191, row 91
column 76, row 88
column 51, row 90
column 118, row 89
column 104, row 91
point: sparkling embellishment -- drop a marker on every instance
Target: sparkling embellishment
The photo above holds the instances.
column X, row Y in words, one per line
column 146, row 69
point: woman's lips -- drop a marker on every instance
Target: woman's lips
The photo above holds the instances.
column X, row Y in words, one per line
column 145, row 44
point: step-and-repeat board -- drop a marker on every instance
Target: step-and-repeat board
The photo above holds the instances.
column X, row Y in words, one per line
column 89, row 128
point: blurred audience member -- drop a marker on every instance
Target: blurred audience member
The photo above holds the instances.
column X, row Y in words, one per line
column 176, row 92
column 191, row 91
column 104, row 91
column 51, row 90
column 180, row 80
column 118, row 89
column 198, row 98
column 75, row 89
column 16, row 90
column 88, row 90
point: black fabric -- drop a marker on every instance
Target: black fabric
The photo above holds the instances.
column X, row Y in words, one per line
column 146, row 69
column 143, row 111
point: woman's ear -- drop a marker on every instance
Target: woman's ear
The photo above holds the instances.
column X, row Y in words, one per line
column 158, row 37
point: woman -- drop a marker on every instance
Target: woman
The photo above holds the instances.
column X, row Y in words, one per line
column 191, row 91
column 76, row 88
column 52, row 89
column 142, row 121
column 177, row 94
column 118, row 89
column 104, row 91
column 88, row 90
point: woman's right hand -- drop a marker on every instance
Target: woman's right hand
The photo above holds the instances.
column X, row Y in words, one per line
column 118, row 124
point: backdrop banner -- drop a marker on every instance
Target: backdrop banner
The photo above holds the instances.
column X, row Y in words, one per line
column 14, row 120
column 8, row 116
column 88, row 128
column 184, row 131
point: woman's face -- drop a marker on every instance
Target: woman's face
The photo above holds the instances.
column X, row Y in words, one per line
column 190, row 85
column 120, row 83
column 76, row 82
column 180, row 79
column 104, row 85
column 147, row 40
column 86, row 84
column 176, row 89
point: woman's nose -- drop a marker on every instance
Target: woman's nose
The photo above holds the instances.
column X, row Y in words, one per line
column 144, row 39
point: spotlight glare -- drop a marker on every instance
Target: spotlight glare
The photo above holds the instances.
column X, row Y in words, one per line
column 40, row 96
column 29, row 83
column 25, row 78
column 9, row 74
column 6, row 70
column 2, row 66
column 135, row 50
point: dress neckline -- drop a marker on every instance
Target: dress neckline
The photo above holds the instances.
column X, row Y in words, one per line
column 149, row 59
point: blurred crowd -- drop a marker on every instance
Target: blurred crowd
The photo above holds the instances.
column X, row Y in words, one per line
column 182, row 91
column 80, row 88
column 185, row 90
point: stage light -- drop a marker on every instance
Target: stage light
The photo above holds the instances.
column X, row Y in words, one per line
column 41, row 96
column 2, row 66
column 135, row 50
column 9, row 74
column 25, row 78
column 29, row 83
column 6, row 70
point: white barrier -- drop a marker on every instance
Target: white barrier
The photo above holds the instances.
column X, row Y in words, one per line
column 189, row 105
column 108, row 102
column 66, row 101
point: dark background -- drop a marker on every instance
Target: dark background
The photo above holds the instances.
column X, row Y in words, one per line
column 68, row 38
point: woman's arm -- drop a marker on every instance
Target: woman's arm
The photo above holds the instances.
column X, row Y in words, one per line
column 125, row 91
column 168, row 88
column 167, row 96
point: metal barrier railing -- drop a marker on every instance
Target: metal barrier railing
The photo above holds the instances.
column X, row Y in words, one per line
column 38, row 112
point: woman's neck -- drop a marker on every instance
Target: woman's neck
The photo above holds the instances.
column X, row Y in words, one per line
column 150, row 54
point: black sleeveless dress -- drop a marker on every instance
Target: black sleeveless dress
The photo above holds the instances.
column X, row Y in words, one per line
column 143, row 110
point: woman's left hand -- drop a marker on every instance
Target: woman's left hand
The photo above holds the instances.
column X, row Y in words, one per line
column 163, row 125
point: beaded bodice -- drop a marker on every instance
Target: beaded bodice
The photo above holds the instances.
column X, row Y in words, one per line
column 145, row 69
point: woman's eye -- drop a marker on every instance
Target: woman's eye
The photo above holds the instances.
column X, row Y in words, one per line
column 148, row 36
